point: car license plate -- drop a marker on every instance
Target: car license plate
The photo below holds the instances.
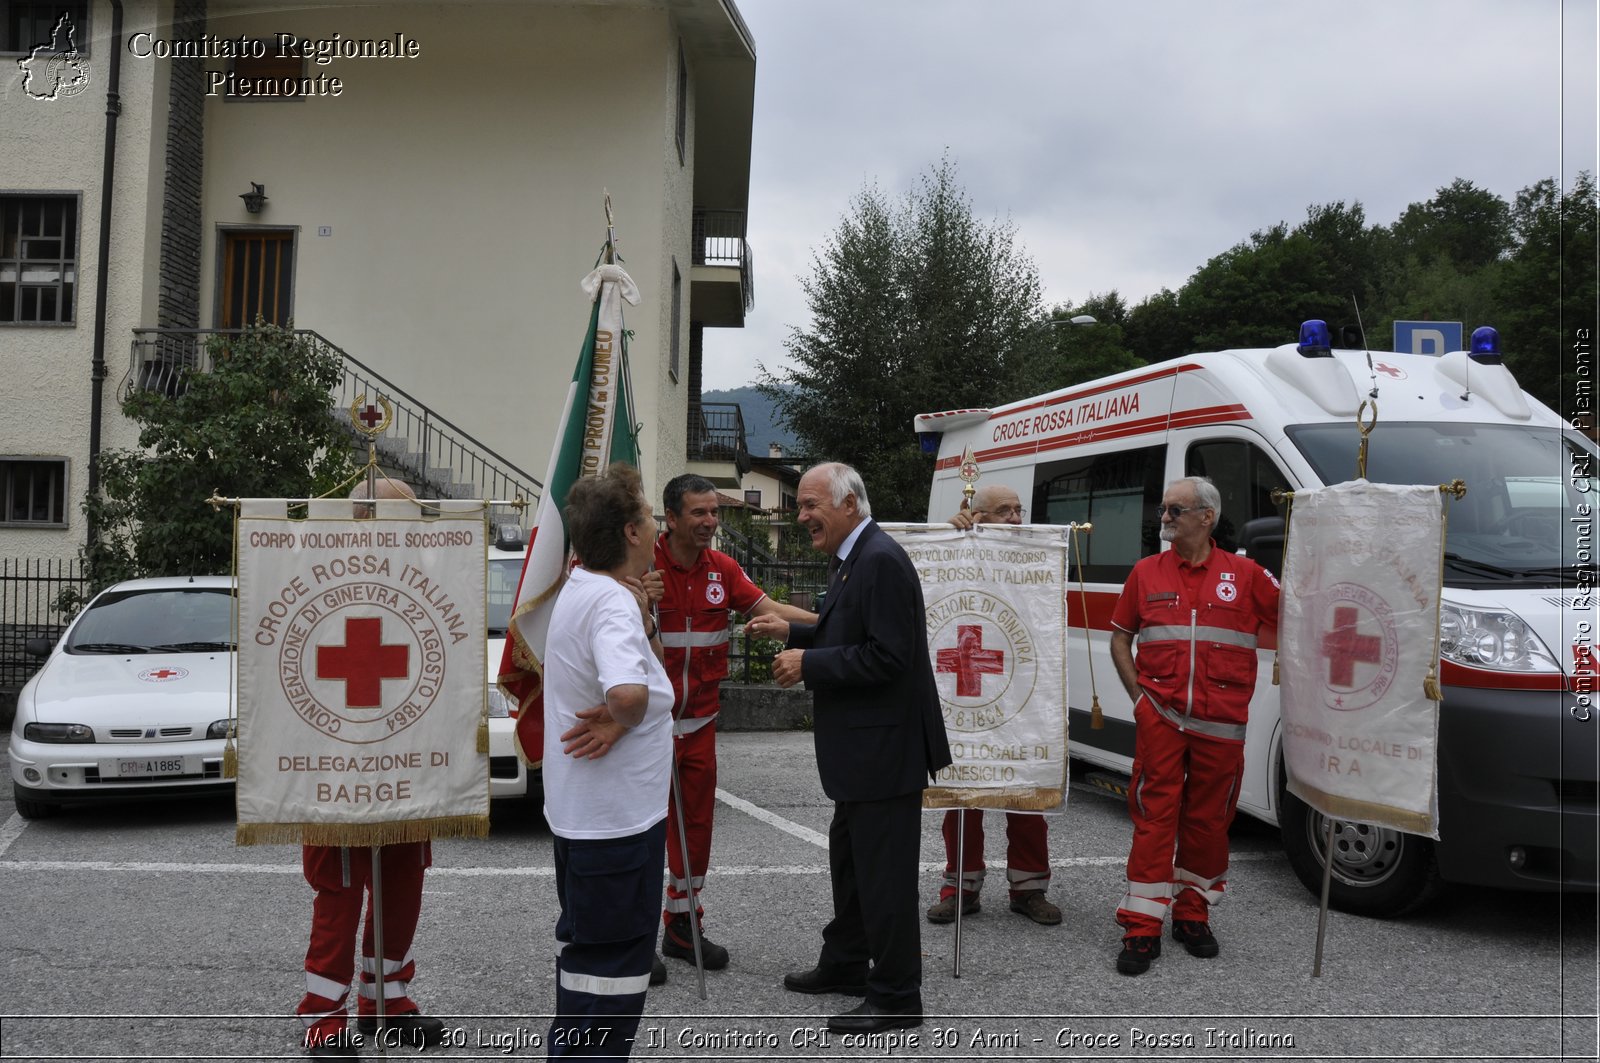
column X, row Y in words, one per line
column 148, row 767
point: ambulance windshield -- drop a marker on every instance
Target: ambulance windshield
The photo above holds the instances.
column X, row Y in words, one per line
column 1528, row 513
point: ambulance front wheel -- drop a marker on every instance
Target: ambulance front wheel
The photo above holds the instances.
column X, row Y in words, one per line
column 1377, row 871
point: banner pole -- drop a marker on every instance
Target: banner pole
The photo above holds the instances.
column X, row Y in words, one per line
column 688, row 873
column 1322, row 911
column 375, row 856
column 961, row 864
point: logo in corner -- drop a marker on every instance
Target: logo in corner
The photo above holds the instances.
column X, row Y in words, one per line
column 55, row 70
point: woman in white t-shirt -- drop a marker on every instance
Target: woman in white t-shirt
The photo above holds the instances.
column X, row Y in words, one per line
column 607, row 768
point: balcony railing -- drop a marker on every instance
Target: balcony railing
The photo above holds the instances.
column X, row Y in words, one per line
column 717, row 239
column 716, row 433
column 428, row 449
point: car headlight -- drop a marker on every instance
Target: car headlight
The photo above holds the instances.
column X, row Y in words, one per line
column 220, row 729
column 58, row 732
column 500, row 706
column 1491, row 638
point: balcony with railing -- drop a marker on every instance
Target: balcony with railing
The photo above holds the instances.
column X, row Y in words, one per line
column 723, row 291
column 420, row 445
column 716, row 442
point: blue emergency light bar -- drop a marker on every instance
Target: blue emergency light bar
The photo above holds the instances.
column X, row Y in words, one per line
column 1485, row 346
column 1316, row 341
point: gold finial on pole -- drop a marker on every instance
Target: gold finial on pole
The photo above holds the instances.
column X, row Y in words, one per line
column 1366, row 430
column 969, row 474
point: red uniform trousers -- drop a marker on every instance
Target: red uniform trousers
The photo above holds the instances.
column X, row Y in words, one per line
column 696, row 754
column 1027, row 857
column 342, row 878
column 1184, row 790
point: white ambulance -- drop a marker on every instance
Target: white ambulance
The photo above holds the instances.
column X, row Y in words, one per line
column 1518, row 775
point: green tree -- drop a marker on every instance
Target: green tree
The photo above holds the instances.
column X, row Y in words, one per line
column 1071, row 354
column 1155, row 329
column 1547, row 292
column 914, row 307
column 258, row 425
column 1463, row 224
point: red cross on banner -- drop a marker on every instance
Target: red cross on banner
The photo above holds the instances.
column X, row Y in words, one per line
column 970, row 661
column 162, row 673
column 363, row 662
column 1345, row 645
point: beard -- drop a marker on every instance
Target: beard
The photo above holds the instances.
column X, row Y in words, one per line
column 1169, row 532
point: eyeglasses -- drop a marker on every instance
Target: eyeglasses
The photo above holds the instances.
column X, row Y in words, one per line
column 1006, row 512
column 1177, row 511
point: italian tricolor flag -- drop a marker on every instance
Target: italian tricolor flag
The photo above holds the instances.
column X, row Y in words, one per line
column 587, row 440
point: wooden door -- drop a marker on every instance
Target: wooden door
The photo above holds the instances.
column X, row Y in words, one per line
column 257, row 277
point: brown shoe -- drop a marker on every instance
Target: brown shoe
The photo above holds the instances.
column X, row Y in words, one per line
column 945, row 910
column 1034, row 905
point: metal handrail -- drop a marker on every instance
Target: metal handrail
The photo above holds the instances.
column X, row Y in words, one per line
column 429, row 443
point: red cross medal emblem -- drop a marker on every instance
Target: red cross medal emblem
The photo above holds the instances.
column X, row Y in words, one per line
column 984, row 660
column 362, row 661
column 1358, row 648
column 165, row 674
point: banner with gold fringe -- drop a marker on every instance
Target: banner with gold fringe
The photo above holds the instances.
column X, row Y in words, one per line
column 361, row 671
column 1358, row 642
column 996, row 613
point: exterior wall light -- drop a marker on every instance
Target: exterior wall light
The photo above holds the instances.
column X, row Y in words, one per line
column 254, row 198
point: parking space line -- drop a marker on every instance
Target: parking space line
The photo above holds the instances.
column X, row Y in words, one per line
column 8, row 833
column 159, row 867
column 772, row 819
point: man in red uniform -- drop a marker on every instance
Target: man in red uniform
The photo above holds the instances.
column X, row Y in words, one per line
column 342, row 877
column 1196, row 610
column 702, row 588
column 1027, row 857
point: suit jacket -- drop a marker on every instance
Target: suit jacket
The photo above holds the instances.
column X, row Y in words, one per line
column 879, row 729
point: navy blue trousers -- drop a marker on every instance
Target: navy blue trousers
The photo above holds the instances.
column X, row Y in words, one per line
column 610, row 895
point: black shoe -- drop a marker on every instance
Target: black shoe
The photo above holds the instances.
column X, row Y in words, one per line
column 826, row 980
column 1137, row 952
column 341, row 1045
column 677, row 941
column 409, row 1027
column 658, row 971
column 945, row 910
column 1196, row 937
column 868, row 1017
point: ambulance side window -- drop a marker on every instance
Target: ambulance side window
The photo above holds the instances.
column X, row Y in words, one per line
column 1118, row 493
column 1245, row 476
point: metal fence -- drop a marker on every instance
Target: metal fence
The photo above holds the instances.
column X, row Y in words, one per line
column 29, row 591
column 798, row 581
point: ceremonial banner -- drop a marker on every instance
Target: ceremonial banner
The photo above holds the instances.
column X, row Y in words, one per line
column 361, row 672
column 585, row 443
column 997, row 630
column 1356, row 643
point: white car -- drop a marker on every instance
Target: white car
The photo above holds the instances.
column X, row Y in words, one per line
column 508, row 776
column 133, row 700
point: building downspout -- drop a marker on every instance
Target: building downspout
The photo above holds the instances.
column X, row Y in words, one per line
column 98, row 372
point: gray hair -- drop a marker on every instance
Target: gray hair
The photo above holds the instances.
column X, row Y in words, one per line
column 1205, row 492
column 843, row 480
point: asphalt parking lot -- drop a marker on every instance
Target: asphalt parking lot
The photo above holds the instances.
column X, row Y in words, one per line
column 142, row 932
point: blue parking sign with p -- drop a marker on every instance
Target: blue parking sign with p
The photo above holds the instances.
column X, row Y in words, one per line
column 1427, row 337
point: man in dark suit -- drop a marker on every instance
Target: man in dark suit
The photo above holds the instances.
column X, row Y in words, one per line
column 879, row 736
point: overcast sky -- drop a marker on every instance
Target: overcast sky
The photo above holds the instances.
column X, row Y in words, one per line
column 1131, row 140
